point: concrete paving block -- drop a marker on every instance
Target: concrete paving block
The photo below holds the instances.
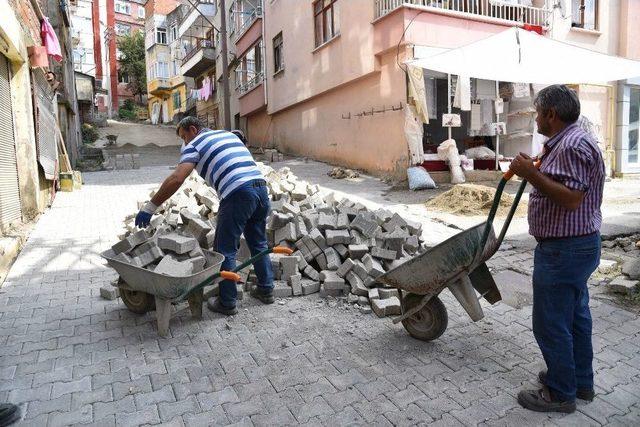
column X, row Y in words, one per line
column 356, row 237
column 350, row 212
column 374, row 294
column 299, row 192
column 277, row 205
column 607, row 266
column 382, row 216
column 109, row 293
column 342, row 250
column 383, row 254
column 328, row 291
column 346, row 267
column 197, row 264
column 333, row 259
column 358, row 251
column 352, row 299
column 386, row 307
column 177, row 243
column 186, row 215
column 122, row 257
column 311, row 219
column 210, row 239
column 302, row 262
column 342, row 221
column 414, row 228
column 169, row 266
column 632, row 269
column 130, row 242
column 318, row 238
column 312, row 273
column 411, row 244
column 622, row 285
column 314, row 249
column 301, row 227
column 327, row 221
column 281, row 289
column 369, row 282
column 335, row 237
column 364, row 302
column 199, row 229
column 373, row 267
column 276, row 267
column 286, row 233
column 357, row 285
column 289, row 265
column 359, row 269
column 321, row 259
column 291, row 209
column 386, row 293
column 330, row 280
column 147, row 253
column 365, row 226
column 295, row 282
column 310, row 287
column 279, row 220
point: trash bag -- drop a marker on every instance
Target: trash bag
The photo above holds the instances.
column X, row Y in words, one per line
column 448, row 150
column 419, row 179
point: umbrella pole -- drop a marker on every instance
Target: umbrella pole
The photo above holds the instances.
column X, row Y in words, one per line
column 450, row 129
column 497, row 133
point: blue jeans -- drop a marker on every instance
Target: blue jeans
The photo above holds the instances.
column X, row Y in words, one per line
column 243, row 211
column 561, row 316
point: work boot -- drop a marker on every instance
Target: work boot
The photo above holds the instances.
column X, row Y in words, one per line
column 581, row 393
column 9, row 414
column 543, row 401
column 263, row 294
column 215, row 305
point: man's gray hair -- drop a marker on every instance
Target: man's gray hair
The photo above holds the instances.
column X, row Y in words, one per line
column 560, row 98
column 187, row 122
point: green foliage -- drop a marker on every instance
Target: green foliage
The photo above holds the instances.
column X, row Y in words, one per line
column 132, row 62
column 89, row 133
column 129, row 105
column 125, row 113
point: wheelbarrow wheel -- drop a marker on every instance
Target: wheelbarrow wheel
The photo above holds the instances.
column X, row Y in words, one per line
column 137, row 301
column 427, row 324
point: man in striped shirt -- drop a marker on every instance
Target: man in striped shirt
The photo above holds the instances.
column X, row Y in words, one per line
column 224, row 162
column 565, row 219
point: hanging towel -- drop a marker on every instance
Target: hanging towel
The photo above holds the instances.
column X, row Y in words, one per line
column 50, row 40
column 462, row 98
column 521, row 90
column 476, row 119
column 417, row 92
column 207, row 88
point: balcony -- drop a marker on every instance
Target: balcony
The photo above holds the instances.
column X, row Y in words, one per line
column 251, row 96
column 195, row 24
column 491, row 9
column 245, row 22
column 159, row 86
column 199, row 59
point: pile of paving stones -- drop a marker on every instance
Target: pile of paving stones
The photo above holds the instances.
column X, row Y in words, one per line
column 624, row 252
column 340, row 247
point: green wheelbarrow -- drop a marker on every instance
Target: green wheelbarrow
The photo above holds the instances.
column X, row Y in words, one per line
column 143, row 290
column 458, row 264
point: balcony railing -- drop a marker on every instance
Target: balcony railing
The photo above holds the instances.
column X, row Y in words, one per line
column 250, row 84
column 487, row 8
column 200, row 44
column 246, row 21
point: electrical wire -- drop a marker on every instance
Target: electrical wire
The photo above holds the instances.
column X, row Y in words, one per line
column 402, row 38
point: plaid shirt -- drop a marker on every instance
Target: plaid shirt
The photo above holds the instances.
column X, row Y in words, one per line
column 571, row 157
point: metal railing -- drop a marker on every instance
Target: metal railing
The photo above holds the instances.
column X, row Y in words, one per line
column 487, row 8
column 200, row 44
column 247, row 21
column 250, row 84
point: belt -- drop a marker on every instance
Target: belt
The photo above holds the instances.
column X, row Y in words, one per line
column 551, row 239
column 258, row 183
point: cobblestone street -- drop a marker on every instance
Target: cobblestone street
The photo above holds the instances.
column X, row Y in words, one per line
column 69, row 357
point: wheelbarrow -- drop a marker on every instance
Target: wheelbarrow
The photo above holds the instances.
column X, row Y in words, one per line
column 143, row 290
column 458, row 264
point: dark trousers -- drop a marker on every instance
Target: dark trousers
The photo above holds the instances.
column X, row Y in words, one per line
column 561, row 316
column 244, row 211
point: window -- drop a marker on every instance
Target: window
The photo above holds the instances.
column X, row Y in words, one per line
column 173, row 32
column 584, row 14
column 123, row 77
column 326, row 20
column 161, row 35
column 176, row 100
column 140, row 12
column 278, row 58
column 634, row 127
column 175, row 70
column 122, row 29
column 250, row 71
column 123, row 7
column 159, row 70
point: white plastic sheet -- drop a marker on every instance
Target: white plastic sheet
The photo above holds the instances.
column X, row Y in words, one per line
column 413, row 134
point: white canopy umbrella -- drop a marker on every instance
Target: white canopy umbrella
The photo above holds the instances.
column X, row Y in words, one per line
column 520, row 56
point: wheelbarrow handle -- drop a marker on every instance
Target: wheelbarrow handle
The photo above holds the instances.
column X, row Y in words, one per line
column 229, row 275
column 510, row 174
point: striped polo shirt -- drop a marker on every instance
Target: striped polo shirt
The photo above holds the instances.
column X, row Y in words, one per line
column 571, row 157
column 222, row 160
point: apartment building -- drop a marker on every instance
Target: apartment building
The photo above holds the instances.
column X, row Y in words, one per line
column 129, row 16
column 166, row 86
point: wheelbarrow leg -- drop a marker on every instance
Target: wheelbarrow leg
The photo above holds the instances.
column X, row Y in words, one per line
column 195, row 303
column 163, row 315
column 463, row 290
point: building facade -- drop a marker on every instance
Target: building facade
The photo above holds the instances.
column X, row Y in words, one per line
column 129, row 16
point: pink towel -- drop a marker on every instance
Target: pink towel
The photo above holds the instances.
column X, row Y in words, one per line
column 50, row 40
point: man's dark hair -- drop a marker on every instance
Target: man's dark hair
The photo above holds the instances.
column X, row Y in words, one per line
column 187, row 122
column 562, row 99
column 240, row 135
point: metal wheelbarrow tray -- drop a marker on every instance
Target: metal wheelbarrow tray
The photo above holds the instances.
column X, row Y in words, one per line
column 143, row 290
column 458, row 263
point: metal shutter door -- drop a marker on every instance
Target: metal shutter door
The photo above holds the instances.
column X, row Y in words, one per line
column 9, row 189
column 46, row 125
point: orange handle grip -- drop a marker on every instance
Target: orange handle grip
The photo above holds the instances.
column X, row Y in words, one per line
column 509, row 174
column 228, row 275
column 282, row 250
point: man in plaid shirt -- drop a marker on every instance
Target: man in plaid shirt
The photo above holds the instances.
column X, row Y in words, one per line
column 565, row 219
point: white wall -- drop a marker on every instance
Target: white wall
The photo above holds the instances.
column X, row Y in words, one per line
column 82, row 28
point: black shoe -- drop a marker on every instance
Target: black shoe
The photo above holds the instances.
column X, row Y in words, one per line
column 9, row 414
column 266, row 296
column 542, row 401
column 214, row 304
column 581, row 393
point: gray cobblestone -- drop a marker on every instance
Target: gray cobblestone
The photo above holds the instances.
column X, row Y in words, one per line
column 212, row 417
column 61, row 388
column 83, row 415
column 29, row 394
column 147, row 415
column 168, row 411
column 104, row 409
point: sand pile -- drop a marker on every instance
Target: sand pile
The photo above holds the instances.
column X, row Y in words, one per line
column 472, row 199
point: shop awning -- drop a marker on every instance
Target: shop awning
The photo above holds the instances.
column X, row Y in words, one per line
column 516, row 55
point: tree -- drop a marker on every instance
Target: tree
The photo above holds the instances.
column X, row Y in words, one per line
column 133, row 63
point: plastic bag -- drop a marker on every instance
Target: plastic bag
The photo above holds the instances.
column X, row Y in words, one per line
column 419, row 179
